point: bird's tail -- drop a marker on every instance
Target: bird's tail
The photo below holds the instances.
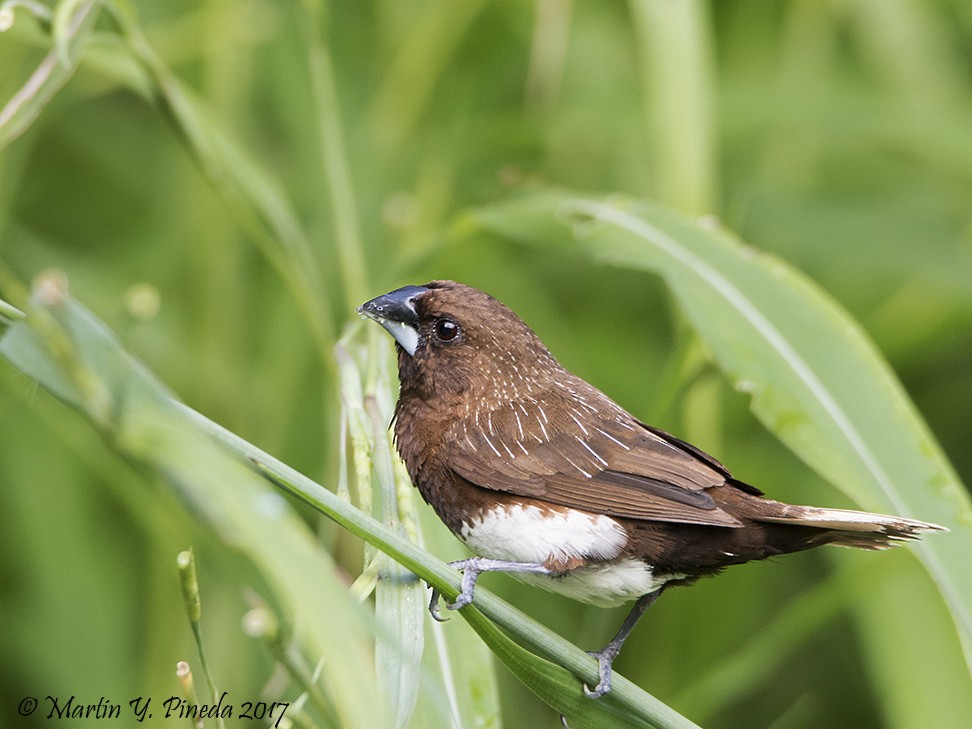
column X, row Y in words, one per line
column 847, row 528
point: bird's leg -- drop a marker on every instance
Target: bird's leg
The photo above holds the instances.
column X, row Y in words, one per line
column 605, row 657
column 471, row 569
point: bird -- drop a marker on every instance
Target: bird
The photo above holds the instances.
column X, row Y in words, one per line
column 543, row 476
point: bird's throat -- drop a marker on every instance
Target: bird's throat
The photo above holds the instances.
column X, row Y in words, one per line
column 405, row 334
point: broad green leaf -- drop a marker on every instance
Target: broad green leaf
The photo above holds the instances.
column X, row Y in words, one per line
column 814, row 377
column 914, row 659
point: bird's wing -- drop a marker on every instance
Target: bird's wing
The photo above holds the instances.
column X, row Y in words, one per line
column 574, row 455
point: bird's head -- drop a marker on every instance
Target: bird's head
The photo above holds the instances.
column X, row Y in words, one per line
column 454, row 340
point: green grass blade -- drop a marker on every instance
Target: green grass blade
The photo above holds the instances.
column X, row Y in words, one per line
column 9, row 314
column 252, row 194
column 71, row 31
column 72, row 354
column 399, row 597
column 64, row 23
column 327, row 117
column 675, row 47
column 815, row 379
column 279, row 543
column 558, row 688
column 409, row 83
column 458, row 667
column 461, row 662
column 400, row 612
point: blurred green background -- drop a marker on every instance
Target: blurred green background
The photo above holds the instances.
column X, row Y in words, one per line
column 837, row 135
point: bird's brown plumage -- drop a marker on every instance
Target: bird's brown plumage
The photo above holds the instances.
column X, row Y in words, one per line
column 487, row 417
column 545, row 476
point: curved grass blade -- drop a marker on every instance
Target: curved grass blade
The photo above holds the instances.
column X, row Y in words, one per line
column 252, row 194
column 399, row 596
column 73, row 355
column 9, row 314
column 456, row 656
column 72, row 31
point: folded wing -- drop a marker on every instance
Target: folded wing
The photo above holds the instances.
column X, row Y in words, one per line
column 591, row 456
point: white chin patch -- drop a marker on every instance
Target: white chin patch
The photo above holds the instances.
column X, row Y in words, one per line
column 405, row 335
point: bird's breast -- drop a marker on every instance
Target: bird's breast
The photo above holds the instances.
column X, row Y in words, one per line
column 586, row 550
column 523, row 532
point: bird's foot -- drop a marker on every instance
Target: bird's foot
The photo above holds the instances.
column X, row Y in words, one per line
column 605, row 657
column 471, row 569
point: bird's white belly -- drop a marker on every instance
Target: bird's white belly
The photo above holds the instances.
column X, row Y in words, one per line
column 526, row 533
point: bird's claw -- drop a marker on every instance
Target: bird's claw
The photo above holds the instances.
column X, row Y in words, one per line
column 598, row 691
column 434, row 606
column 470, row 573
column 604, row 660
column 460, row 602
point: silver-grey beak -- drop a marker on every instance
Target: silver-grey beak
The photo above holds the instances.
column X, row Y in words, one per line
column 396, row 312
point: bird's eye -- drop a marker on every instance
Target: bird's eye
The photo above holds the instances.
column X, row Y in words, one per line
column 445, row 330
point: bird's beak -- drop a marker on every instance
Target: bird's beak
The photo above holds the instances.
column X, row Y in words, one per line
column 396, row 312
